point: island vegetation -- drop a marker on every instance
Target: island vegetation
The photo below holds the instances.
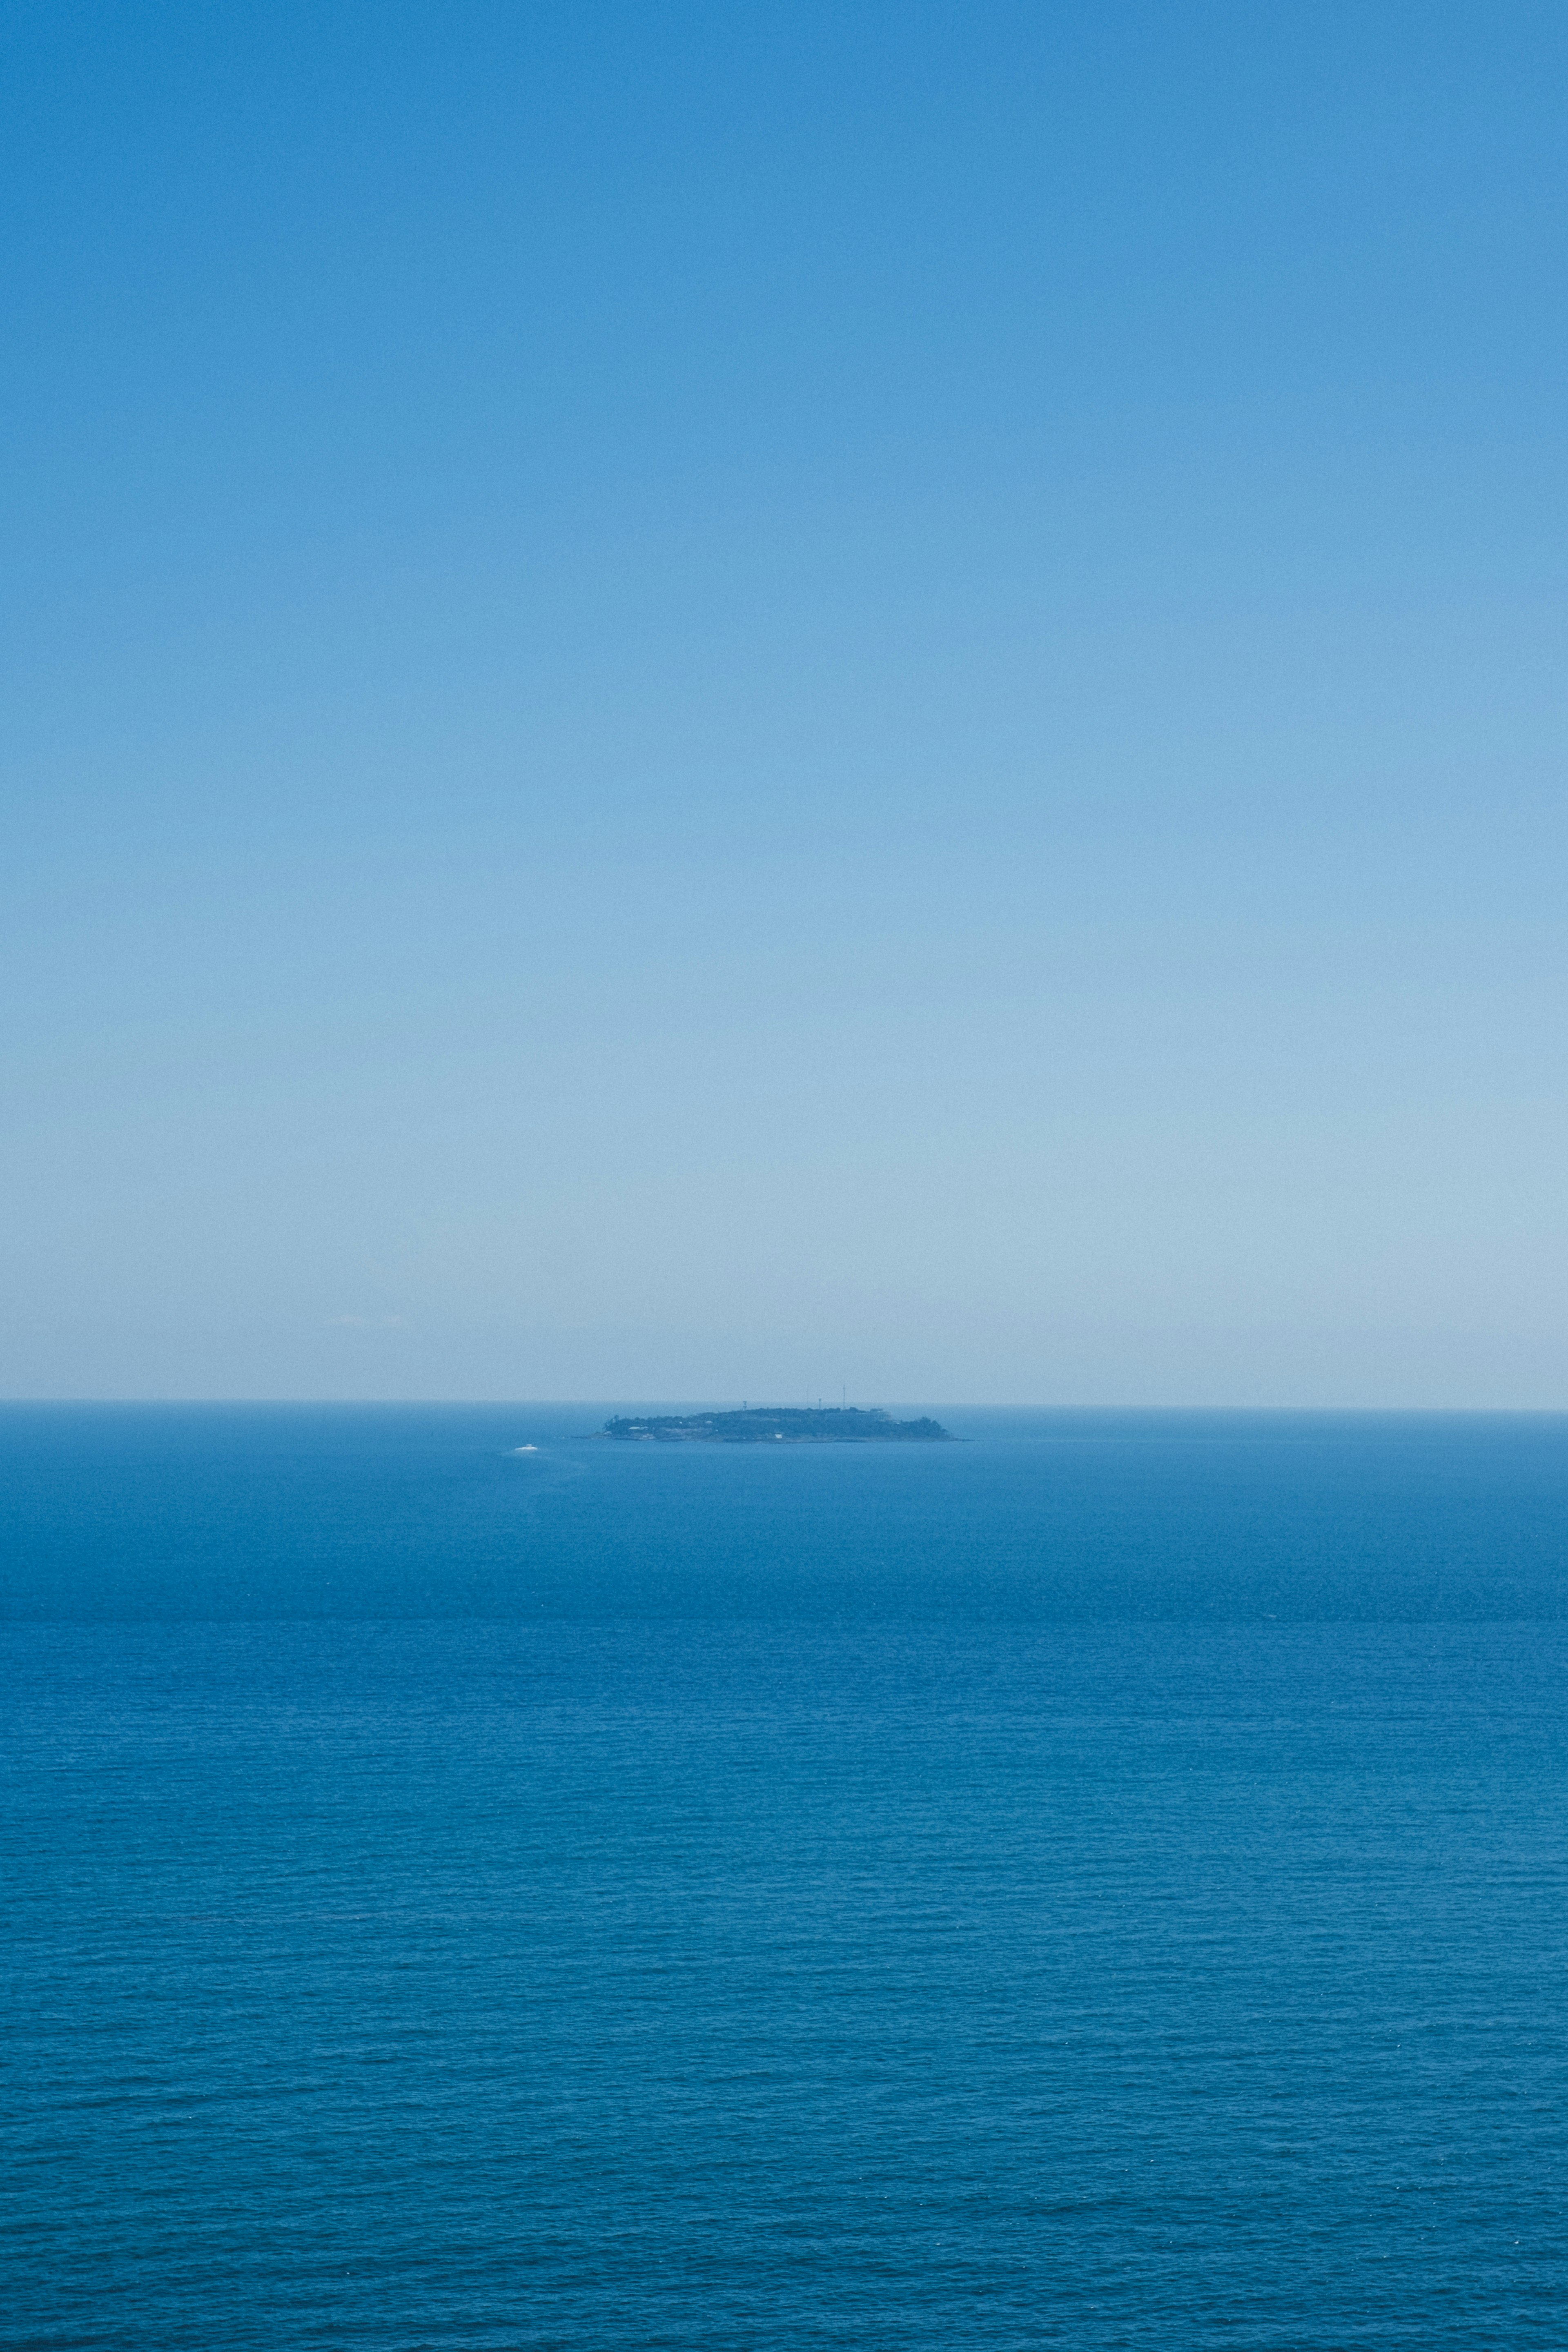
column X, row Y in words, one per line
column 779, row 1425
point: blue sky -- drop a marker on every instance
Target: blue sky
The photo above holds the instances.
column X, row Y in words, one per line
column 709, row 701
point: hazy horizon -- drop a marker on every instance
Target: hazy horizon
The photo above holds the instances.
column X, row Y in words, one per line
column 1064, row 1409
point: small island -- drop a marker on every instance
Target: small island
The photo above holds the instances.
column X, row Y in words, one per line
column 780, row 1425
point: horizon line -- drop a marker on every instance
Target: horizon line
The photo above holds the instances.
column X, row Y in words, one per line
column 527, row 1403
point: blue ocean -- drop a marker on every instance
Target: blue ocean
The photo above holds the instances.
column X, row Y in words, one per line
column 1102, row 1884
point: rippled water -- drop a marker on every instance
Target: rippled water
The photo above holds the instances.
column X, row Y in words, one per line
column 1099, row 1885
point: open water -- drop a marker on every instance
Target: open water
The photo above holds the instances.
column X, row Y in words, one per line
column 1103, row 1885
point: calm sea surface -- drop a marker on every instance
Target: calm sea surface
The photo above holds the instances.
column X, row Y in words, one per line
column 1102, row 1885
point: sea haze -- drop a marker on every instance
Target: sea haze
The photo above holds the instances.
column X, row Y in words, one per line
column 1104, row 1883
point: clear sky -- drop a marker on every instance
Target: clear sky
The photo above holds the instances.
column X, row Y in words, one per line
column 713, row 702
